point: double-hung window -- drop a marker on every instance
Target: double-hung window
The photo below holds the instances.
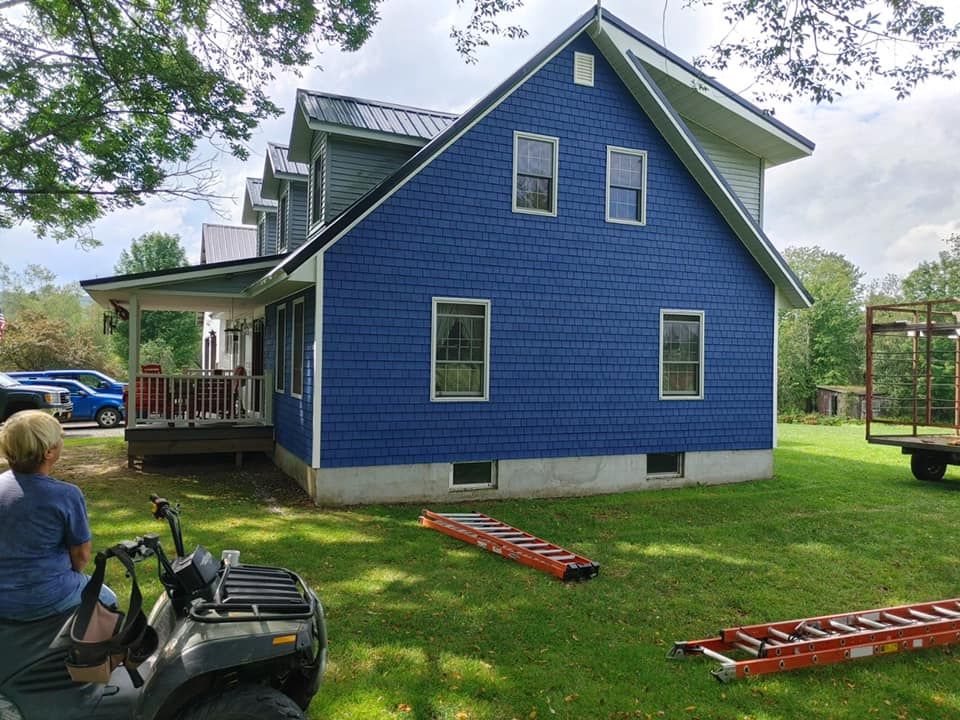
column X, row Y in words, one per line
column 296, row 383
column 626, row 186
column 280, row 351
column 535, row 173
column 316, row 200
column 461, row 349
column 282, row 223
column 681, row 354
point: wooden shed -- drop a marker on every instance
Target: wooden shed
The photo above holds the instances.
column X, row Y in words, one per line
column 848, row 401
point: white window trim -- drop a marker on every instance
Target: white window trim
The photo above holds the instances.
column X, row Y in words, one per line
column 293, row 347
column 643, row 189
column 283, row 226
column 492, row 485
column 280, row 379
column 316, row 222
column 488, row 321
column 682, row 463
column 517, row 134
column 703, row 342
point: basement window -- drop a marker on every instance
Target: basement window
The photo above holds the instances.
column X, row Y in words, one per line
column 665, row 464
column 473, row 475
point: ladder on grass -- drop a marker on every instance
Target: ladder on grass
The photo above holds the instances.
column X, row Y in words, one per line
column 780, row 646
column 502, row 539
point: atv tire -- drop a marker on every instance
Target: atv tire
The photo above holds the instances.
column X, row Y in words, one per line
column 249, row 702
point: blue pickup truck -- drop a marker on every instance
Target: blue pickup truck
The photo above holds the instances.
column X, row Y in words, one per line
column 91, row 378
column 16, row 396
column 107, row 408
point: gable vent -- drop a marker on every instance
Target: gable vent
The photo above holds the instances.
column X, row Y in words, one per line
column 583, row 69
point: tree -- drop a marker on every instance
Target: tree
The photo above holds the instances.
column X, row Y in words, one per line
column 936, row 279
column 176, row 332
column 50, row 325
column 815, row 49
column 105, row 101
column 822, row 344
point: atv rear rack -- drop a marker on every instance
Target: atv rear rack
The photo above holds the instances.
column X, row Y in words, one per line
column 255, row 592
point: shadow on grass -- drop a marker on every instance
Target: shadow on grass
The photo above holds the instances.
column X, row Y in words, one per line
column 425, row 627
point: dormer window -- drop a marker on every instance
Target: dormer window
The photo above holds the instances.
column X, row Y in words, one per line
column 316, row 198
column 282, row 224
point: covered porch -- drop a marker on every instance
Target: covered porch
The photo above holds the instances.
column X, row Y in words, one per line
column 202, row 410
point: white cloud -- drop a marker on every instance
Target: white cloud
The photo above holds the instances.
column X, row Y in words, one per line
column 880, row 188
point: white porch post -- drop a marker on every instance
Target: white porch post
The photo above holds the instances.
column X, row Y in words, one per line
column 133, row 361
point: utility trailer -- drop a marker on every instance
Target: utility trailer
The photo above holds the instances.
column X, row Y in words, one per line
column 913, row 382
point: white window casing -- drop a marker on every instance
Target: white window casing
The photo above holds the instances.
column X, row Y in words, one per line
column 484, row 394
column 697, row 315
column 280, row 350
column 642, row 188
column 298, row 347
column 551, row 211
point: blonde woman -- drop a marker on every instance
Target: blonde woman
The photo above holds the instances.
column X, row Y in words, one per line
column 45, row 537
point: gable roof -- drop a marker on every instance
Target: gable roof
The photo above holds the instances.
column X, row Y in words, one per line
column 254, row 202
column 223, row 243
column 631, row 70
column 277, row 166
column 361, row 118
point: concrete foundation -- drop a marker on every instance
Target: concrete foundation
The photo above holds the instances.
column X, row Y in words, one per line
column 555, row 477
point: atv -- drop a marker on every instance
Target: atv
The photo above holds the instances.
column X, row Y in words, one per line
column 235, row 642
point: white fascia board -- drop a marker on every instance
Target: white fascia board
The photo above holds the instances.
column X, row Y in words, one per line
column 695, row 159
column 270, row 185
column 161, row 281
column 361, row 134
column 298, row 147
column 623, row 41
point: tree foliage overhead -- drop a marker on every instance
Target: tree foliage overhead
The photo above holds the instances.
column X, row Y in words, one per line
column 104, row 102
column 171, row 338
column 815, row 49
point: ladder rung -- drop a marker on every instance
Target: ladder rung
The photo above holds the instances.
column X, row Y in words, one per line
column 845, row 628
column 899, row 620
column 747, row 649
column 867, row 622
column 945, row 612
column 923, row 616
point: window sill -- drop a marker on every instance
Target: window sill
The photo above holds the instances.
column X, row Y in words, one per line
column 681, row 397
column 459, row 399
column 541, row 213
column 484, row 486
column 619, row 221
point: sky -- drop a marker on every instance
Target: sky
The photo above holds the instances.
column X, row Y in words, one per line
column 881, row 187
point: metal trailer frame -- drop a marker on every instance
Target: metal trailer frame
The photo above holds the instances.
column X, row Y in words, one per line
column 931, row 442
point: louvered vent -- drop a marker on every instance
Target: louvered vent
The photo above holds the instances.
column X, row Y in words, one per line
column 583, row 69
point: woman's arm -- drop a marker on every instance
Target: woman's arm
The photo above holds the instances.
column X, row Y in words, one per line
column 80, row 555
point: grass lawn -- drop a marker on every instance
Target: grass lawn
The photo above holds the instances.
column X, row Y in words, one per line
column 422, row 626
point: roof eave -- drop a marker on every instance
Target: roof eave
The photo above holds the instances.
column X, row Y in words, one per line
column 695, row 159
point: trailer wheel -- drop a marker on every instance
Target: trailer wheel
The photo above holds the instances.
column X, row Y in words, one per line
column 927, row 466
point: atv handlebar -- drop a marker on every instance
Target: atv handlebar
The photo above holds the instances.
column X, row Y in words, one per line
column 163, row 510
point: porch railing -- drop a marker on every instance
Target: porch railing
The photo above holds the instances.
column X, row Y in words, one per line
column 202, row 397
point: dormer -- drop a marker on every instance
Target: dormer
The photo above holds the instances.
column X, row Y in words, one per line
column 351, row 145
column 262, row 213
column 285, row 182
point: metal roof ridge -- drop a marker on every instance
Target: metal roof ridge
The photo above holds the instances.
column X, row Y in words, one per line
column 380, row 103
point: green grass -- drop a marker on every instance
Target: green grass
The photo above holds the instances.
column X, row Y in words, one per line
column 422, row 626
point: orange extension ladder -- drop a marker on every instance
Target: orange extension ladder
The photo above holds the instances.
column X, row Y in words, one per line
column 502, row 539
column 793, row 644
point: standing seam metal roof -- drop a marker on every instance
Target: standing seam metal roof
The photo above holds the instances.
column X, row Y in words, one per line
column 281, row 165
column 221, row 243
column 374, row 116
column 254, row 186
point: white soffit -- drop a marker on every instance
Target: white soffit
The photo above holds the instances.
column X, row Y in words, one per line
column 710, row 108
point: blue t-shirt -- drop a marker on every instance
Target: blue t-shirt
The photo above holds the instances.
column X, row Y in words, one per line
column 40, row 519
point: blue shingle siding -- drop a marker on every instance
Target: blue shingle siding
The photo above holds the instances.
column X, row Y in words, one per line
column 575, row 301
column 292, row 417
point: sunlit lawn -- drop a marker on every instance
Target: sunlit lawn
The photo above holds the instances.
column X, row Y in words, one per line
column 422, row 626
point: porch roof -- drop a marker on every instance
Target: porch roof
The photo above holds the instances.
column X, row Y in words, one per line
column 214, row 287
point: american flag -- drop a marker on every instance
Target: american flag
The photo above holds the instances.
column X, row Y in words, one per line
column 3, row 324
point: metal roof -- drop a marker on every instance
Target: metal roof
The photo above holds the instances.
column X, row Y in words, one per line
column 282, row 165
column 254, row 186
column 222, row 243
column 372, row 115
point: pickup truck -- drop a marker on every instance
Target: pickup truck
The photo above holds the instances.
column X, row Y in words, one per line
column 14, row 396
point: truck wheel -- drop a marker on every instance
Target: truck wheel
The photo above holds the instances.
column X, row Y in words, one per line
column 245, row 703
column 108, row 417
column 927, row 466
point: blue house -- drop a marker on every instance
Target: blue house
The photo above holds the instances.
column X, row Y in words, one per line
column 565, row 290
